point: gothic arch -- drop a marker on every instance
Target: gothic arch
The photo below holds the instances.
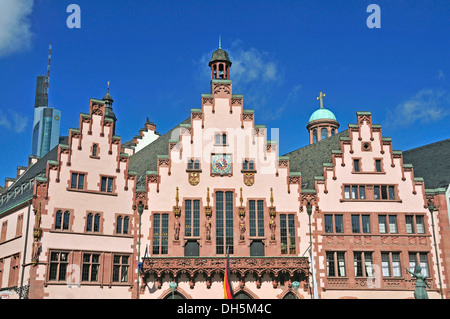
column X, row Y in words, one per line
column 180, row 291
column 288, row 290
column 245, row 290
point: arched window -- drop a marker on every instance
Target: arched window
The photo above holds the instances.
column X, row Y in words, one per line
column 58, row 219
column 119, row 225
column 323, row 133
column 314, row 135
column 97, row 223
column 126, row 224
column 94, row 150
column 333, row 131
column 89, row 222
column 66, row 219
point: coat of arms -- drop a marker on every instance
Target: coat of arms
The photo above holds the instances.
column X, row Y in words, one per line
column 249, row 179
column 194, row 178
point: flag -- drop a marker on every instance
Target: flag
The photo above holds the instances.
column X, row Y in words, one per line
column 227, row 291
column 141, row 263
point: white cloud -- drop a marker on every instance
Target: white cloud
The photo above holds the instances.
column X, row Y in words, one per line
column 426, row 106
column 13, row 121
column 15, row 26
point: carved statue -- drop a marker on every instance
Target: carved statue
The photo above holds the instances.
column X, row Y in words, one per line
column 242, row 228
column 273, row 227
column 421, row 291
column 176, row 227
column 208, row 228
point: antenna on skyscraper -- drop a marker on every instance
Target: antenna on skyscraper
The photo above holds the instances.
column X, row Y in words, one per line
column 47, row 77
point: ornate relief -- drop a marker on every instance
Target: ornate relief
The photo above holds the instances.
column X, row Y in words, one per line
column 194, row 178
column 205, row 101
column 37, row 233
column 240, row 266
column 236, row 101
column 249, row 179
column 222, row 88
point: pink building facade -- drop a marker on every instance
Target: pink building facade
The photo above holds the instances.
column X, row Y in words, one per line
column 155, row 217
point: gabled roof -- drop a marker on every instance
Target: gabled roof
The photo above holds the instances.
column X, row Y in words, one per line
column 37, row 169
column 309, row 160
column 431, row 162
column 146, row 159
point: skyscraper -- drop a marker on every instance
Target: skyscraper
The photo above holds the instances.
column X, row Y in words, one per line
column 46, row 120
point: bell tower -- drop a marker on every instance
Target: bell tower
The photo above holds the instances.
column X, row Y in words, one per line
column 220, row 64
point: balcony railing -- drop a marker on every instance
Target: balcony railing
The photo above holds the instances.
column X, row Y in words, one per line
column 288, row 267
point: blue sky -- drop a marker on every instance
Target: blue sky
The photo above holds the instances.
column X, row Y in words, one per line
column 284, row 53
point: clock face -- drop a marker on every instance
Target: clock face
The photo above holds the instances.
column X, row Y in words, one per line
column 221, row 164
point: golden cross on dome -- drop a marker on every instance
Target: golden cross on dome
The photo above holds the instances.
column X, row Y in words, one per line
column 321, row 96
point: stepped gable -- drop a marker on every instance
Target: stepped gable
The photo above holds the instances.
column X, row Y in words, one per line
column 146, row 159
column 309, row 160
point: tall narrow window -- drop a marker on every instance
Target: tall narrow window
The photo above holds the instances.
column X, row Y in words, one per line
column 256, row 215
column 126, row 224
column 224, row 222
column 89, row 220
column 4, row 228
column 120, row 268
column 19, row 225
column 366, row 223
column 287, row 233
column 314, row 135
column 329, row 223
column 91, row 264
column 385, row 265
column 97, row 223
column 392, row 224
column 382, row 224
column 58, row 266
column 119, row 221
column 94, row 150
column 396, row 267
column 391, row 190
column 355, row 224
column 356, row 165
column 409, row 220
column 378, row 165
column 192, row 218
column 420, row 226
column 331, row 271
column 160, row 234
column 339, row 224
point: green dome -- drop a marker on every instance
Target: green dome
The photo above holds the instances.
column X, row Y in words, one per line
column 322, row 114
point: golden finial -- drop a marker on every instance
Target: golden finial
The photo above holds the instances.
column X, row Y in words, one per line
column 271, row 197
column 321, row 96
column 241, row 199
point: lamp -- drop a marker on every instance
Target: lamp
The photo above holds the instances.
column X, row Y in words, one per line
column 309, row 211
column 140, row 210
column 295, row 286
column 431, row 209
column 173, row 287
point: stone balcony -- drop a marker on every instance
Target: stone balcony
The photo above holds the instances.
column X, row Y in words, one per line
column 279, row 268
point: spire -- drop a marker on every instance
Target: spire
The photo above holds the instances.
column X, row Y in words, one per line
column 220, row 43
